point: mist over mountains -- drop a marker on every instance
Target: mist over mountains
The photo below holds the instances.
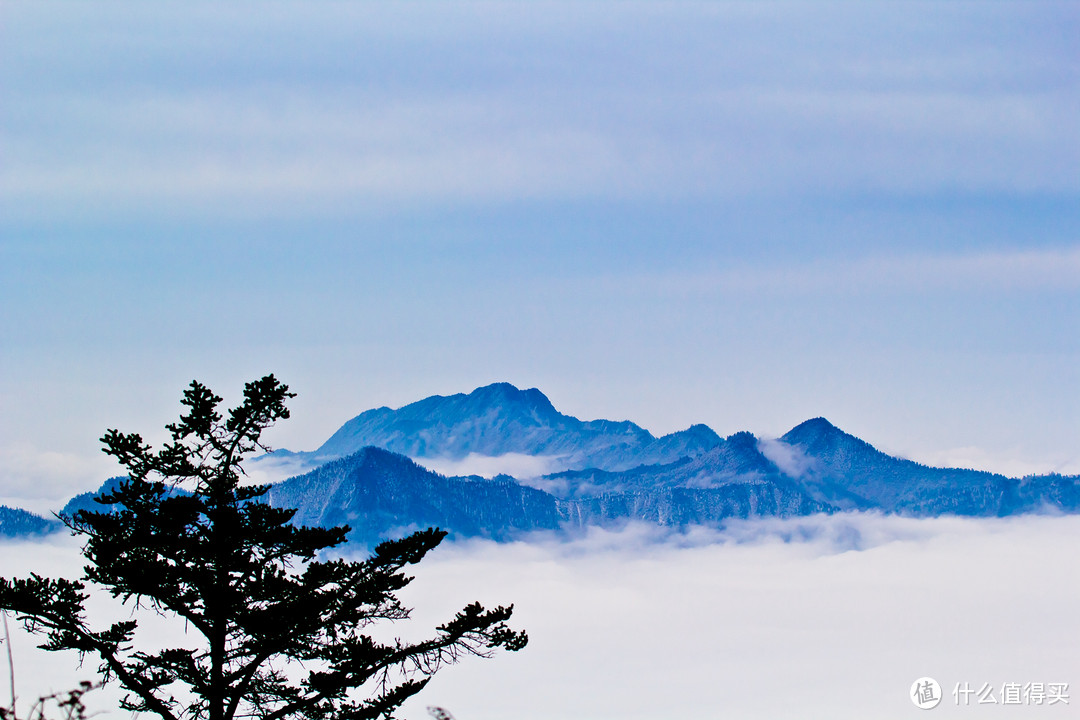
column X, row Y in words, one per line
column 370, row 475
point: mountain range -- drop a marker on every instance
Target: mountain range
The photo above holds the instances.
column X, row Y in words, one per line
column 370, row 475
column 16, row 523
column 500, row 419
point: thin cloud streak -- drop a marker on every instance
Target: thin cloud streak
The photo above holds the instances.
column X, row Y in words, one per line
column 215, row 150
column 743, row 103
column 518, row 465
column 1046, row 270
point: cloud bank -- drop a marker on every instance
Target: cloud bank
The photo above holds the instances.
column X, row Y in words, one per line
column 765, row 620
column 517, row 465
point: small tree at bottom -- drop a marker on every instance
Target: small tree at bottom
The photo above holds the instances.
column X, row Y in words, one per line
column 280, row 632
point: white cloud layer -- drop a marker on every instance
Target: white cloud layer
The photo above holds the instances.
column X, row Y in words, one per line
column 761, row 628
column 766, row 620
column 43, row 480
column 518, row 465
column 789, row 458
column 270, row 469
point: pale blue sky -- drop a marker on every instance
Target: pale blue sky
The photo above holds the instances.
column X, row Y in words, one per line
column 743, row 214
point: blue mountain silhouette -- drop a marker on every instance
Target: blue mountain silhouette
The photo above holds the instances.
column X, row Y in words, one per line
column 615, row 472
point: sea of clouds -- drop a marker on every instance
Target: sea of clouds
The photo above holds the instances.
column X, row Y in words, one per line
column 819, row 617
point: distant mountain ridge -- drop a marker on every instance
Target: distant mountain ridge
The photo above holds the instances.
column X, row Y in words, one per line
column 16, row 522
column 381, row 494
column 851, row 474
column 499, row 419
column 615, row 472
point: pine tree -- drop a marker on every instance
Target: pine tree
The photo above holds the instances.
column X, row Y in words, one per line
column 280, row 627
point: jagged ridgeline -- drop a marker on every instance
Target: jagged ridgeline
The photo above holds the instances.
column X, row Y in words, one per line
column 606, row 473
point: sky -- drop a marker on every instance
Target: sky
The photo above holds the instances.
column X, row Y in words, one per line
column 741, row 214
